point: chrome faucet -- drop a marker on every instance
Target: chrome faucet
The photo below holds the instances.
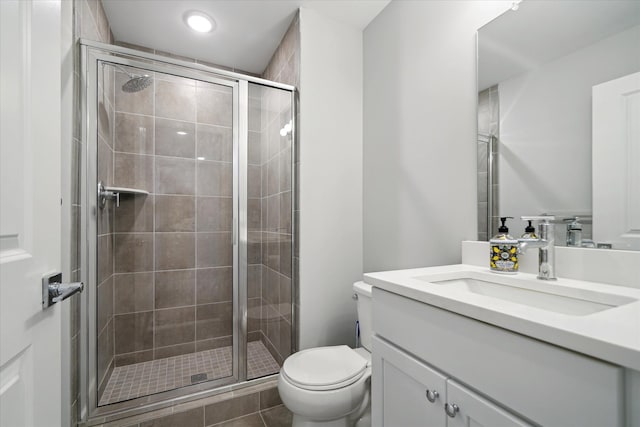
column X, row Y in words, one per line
column 545, row 244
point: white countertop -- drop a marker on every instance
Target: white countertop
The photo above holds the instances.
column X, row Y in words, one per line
column 612, row 335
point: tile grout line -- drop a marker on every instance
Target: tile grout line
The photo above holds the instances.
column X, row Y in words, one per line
column 260, row 414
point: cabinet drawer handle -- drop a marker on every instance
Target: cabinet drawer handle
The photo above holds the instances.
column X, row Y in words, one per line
column 451, row 409
column 432, row 395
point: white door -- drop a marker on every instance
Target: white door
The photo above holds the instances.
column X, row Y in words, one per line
column 616, row 162
column 30, row 126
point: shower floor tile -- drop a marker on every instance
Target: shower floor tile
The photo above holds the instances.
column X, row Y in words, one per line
column 142, row 379
column 259, row 361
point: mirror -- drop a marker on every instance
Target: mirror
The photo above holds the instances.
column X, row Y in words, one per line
column 554, row 122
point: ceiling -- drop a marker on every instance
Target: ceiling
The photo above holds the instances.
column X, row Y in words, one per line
column 247, row 33
column 541, row 31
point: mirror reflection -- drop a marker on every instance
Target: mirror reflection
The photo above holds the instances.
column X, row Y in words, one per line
column 558, row 120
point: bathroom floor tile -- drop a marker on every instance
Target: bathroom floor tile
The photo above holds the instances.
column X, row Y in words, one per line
column 278, row 416
column 155, row 376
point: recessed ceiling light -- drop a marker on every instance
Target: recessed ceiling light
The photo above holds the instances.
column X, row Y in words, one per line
column 199, row 22
column 181, row 132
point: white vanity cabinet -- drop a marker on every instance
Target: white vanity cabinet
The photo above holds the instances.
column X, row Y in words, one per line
column 409, row 393
column 495, row 377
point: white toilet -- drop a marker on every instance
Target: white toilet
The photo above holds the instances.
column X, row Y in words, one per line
column 330, row 386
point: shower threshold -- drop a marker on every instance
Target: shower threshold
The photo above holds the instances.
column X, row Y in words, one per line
column 156, row 376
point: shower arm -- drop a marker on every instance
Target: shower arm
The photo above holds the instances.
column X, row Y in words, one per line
column 119, row 67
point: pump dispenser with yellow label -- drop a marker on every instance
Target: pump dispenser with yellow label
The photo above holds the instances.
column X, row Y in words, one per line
column 504, row 251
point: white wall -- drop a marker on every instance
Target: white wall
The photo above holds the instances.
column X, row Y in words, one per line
column 546, row 113
column 330, row 179
column 419, row 131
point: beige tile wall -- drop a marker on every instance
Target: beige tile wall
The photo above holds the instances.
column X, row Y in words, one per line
column 284, row 65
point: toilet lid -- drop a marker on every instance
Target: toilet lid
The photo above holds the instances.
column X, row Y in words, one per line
column 324, row 368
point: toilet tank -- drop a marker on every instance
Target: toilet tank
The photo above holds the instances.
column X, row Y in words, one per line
column 365, row 311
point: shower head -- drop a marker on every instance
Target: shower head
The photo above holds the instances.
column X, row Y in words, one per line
column 137, row 83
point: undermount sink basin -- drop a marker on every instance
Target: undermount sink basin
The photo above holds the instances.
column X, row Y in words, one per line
column 551, row 297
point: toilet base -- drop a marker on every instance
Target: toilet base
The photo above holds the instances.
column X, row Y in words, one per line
column 363, row 421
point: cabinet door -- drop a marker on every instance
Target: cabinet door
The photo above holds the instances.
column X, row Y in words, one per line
column 475, row 411
column 400, row 386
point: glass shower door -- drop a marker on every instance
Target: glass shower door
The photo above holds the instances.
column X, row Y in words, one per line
column 269, row 219
column 166, row 258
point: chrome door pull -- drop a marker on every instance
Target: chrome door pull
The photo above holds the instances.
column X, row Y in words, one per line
column 451, row 409
column 432, row 395
column 53, row 290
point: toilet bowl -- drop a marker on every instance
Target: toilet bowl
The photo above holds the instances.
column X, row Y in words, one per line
column 330, row 386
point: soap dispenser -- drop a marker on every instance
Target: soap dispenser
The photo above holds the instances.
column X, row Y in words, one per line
column 504, row 251
column 529, row 232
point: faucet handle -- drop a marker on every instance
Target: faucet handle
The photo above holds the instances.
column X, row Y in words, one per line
column 545, row 218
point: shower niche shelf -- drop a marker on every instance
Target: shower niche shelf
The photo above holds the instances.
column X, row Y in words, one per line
column 113, row 193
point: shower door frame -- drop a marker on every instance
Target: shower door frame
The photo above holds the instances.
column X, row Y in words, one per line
column 91, row 55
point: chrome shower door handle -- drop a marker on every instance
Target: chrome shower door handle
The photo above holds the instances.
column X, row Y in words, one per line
column 53, row 290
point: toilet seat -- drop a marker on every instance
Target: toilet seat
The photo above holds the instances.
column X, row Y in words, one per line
column 324, row 368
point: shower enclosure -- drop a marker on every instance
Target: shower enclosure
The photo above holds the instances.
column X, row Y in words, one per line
column 188, row 199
